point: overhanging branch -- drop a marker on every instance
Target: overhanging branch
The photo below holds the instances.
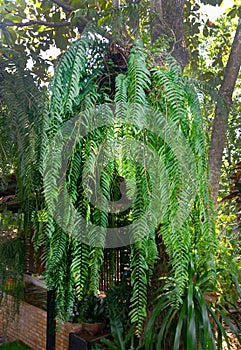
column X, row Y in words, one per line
column 66, row 7
column 34, row 22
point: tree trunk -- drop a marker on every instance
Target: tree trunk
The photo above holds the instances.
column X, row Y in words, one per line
column 168, row 19
column 220, row 122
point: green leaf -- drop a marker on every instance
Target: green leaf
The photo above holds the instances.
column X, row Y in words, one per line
column 212, row 2
column 61, row 41
column 207, row 334
column 205, row 31
column 77, row 4
column 22, row 3
column 165, row 326
column 179, row 326
column 191, row 326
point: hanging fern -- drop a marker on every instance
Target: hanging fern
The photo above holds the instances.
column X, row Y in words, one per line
column 80, row 268
column 20, row 125
column 153, row 119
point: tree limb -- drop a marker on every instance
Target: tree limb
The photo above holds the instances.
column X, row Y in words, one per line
column 34, row 22
column 220, row 122
column 30, row 23
column 66, row 7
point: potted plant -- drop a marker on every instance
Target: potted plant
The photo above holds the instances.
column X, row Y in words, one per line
column 93, row 315
column 94, row 318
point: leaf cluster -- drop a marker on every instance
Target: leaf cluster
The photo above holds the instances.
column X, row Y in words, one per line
column 156, row 107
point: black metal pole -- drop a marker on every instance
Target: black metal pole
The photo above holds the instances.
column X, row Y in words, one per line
column 51, row 321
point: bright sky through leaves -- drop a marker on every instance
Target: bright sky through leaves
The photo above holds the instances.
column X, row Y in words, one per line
column 214, row 12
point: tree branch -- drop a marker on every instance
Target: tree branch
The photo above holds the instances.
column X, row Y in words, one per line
column 66, row 7
column 220, row 122
column 34, row 22
column 30, row 23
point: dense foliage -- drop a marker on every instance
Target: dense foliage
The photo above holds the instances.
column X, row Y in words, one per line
column 126, row 112
column 156, row 106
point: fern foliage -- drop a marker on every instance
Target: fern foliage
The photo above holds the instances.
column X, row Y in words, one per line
column 20, row 126
column 144, row 144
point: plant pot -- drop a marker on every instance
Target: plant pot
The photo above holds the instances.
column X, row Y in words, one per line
column 93, row 328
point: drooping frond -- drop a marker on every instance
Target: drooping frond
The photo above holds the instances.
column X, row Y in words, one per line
column 21, row 101
column 145, row 150
column 73, row 90
column 139, row 281
column 121, row 95
column 138, row 80
column 74, row 83
column 138, row 77
column 80, row 268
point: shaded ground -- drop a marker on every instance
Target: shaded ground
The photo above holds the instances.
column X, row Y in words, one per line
column 234, row 344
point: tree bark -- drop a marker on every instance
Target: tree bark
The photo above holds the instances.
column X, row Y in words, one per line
column 220, row 122
column 168, row 19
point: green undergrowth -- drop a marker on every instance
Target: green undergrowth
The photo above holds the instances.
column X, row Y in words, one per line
column 16, row 345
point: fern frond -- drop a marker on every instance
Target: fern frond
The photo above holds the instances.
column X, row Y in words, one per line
column 121, row 96
column 139, row 282
column 80, row 269
column 138, row 81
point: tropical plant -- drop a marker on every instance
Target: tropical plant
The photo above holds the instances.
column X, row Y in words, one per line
column 12, row 264
column 90, row 310
column 142, row 101
column 20, row 122
column 117, row 309
column 197, row 324
column 121, row 341
column 21, row 101
column 187, row 28
column 156, row 107
column 117, row 303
